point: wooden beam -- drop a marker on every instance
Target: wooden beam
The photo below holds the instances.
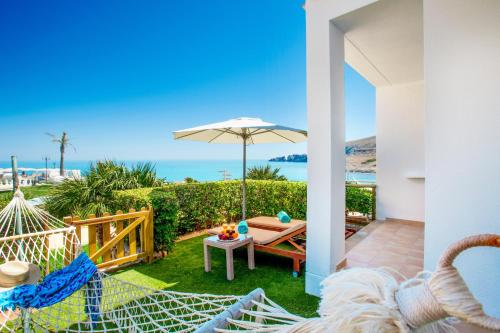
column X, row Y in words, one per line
column 131, row 227
column 151, row 251
column 288, row 236
column 106, row 237
column 108, row 218
column 92, row 236
column 120, row 250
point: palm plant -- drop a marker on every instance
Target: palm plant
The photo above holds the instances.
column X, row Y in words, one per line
column 94, row 193
column 264, row 173
column 145, row 174
column 63, row 142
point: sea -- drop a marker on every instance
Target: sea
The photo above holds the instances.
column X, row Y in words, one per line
column 203, row 170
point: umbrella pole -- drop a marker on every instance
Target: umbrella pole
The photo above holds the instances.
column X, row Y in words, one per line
column 244, row 185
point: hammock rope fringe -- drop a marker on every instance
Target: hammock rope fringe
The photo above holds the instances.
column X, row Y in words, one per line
column 30, row 234
column 371, row 300
column 358, row 300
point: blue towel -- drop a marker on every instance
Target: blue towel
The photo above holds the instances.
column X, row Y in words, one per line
column 93, row 296
column 58, row 285
column 243, row 227
column 283, row 217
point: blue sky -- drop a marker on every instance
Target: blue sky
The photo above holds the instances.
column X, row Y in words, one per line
column 120, row 76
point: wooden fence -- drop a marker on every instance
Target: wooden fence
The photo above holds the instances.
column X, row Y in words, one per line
column 126, row 237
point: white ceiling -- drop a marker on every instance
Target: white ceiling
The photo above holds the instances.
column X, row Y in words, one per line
column 384, row 41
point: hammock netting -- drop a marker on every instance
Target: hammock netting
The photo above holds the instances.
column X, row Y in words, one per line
column 32, row 235
column 358, row 300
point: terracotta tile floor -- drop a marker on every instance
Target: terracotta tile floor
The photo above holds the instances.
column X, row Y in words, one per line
column 392, row 243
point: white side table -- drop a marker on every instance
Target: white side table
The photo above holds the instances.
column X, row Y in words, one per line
column 243, row 240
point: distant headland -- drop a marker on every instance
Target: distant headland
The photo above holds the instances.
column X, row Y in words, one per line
column 290, row 158
column 361, row 155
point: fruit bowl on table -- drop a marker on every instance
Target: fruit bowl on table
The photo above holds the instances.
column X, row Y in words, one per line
column 228, row 234
column 227, row 240
column 227, row 237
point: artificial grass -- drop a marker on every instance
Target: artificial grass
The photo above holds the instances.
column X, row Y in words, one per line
column 183, row 270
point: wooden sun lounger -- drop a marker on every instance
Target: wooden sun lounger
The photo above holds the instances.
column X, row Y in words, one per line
column 269, row 232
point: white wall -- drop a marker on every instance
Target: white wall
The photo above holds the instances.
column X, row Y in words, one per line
column 400, row 151
column 462, row 125
column 326, row 161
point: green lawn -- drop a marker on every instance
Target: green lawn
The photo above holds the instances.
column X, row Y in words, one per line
column 182, row 270
column 30, row 192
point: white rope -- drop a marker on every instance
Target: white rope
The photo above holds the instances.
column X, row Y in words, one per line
column 358, row 300
column 125, row 307
column 362, row 300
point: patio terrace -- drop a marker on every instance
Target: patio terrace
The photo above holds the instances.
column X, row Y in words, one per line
column 391, row 243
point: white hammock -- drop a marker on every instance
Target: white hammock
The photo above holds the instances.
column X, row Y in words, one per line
column 357, row 300
column 29, row 234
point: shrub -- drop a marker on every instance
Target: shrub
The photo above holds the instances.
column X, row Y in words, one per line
column 181, row 208
column 358, row 200
column 270, row 197
column 204, row 205
column 166, row 218
column 136, row 198
column 165, row 210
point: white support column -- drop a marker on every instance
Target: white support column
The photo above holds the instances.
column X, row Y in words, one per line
column 462, row 132
column 326, row 155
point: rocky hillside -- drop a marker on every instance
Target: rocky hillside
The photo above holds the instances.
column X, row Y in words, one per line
column 361, row 155
column 363, row 146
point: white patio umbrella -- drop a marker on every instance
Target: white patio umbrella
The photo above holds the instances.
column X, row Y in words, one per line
column 244, row 131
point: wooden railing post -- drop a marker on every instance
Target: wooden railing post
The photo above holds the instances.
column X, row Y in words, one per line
column 120, row 248
column 92, row 235
column 106, row 237
column 132, row 239
column 151, row 235
column 78, row 232
column 144, row 233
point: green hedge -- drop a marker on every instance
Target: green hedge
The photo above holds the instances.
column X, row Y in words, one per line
column 358, row 200
column 181, row 208
column 166, row 219
column 203, row 205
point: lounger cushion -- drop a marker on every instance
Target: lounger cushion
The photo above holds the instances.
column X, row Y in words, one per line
column 273, row 222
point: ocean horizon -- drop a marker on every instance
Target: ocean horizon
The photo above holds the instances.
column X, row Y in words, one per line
column 201, row 170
